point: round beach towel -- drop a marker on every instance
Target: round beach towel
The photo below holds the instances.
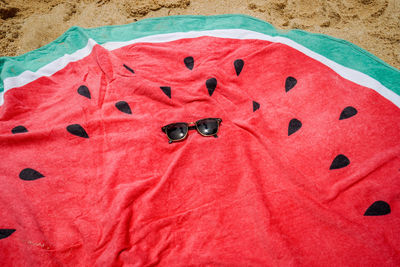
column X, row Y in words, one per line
column 304, row 169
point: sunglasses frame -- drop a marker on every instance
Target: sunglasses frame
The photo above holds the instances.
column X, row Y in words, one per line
column 191, row 126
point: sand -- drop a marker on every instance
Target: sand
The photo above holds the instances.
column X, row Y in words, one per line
column 371, row 24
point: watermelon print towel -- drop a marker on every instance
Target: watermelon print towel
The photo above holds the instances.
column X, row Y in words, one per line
column 305, row 170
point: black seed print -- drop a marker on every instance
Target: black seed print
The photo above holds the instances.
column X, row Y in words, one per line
column 378, row 208
column 347, row 113
column 255, row 106
column 6, row 233
column 290, row 83
column 294, row 126
column 339, row 162
column 123, row 107
column 77, row 130
column 189, row 62
column 126, row 67
column 239, row 63
column 166, row 90
column 84, row 91
column 19, row 129
column 29, row 174
column 211, row 84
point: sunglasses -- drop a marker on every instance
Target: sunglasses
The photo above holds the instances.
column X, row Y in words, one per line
column 179, row 130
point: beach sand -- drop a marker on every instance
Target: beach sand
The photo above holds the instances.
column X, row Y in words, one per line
column 371, row 24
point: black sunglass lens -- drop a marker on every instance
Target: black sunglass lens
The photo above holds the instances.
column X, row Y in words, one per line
column 177, row 131
column 207, row 126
